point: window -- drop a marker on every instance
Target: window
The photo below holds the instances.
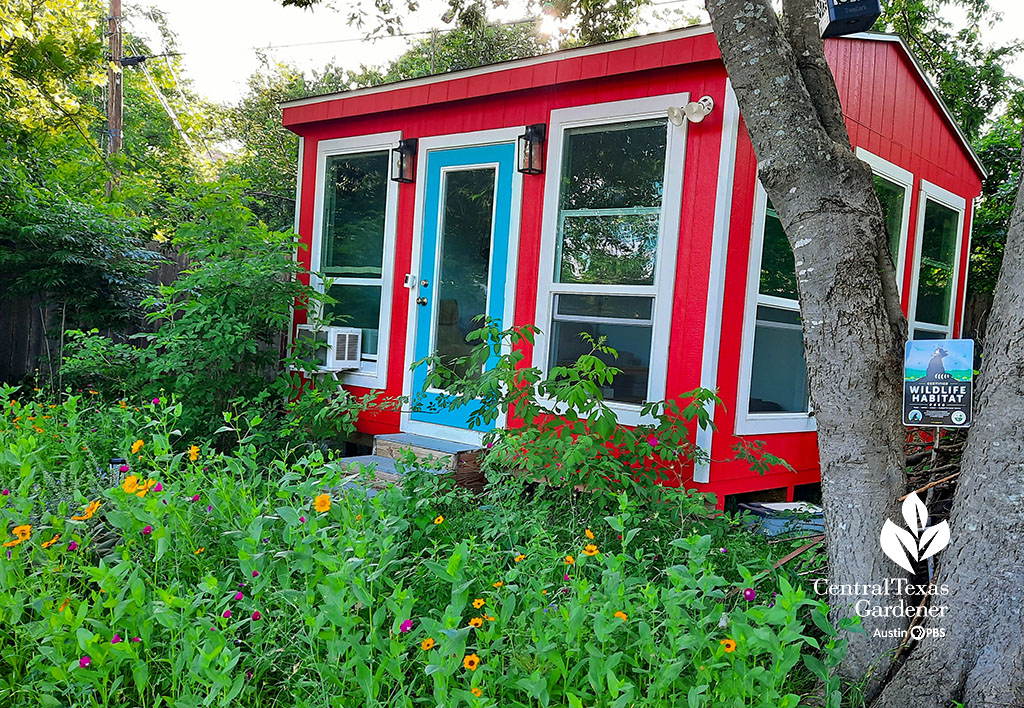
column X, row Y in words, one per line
column 353, row 243
column 893, row 185
column 610, row 226
column 937, row 259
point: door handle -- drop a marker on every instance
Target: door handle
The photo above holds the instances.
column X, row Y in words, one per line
column 421, row 301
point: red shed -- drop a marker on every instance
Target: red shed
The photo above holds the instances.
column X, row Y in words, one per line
column 655, row 235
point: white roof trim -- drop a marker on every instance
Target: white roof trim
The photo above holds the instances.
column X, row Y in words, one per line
column 643, row 40
column 896, row 39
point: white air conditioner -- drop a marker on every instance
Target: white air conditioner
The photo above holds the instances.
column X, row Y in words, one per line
column 338, row 348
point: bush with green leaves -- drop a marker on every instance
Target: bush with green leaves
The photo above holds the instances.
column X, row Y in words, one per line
column 203, row 578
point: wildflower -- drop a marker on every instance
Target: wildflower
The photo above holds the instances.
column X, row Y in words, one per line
column 439, row 520
column 479, row 602
column 93, row 393
column 47, row 544
column 476, row 691
column 193, row 453
column 73, row 546
column 144, row 488
column 195, row 497
column 256, row 616
column 589, row 534
column 158, row 487
column 302, row 519
column 63, row 604
column 21, row 533
column 520, row 557
column 405, row 626
column 427, row 644
column 5, row 493
column 729, row 645
column 476, row 622
column 621, row 615
column 136, row 446
column 471, row 661
column 255, row 573
column 749, row 594
column 723, row 549
column 84, row 662
column 88, row 512
column 147, row 530
column 130, row 485
column 543, row 592
column 116, row 639
column 238, row 595
column 122, row 469
column 199, row 550
column 498, row 584
column 565, row 577
column 652, row 440
column 569, row 560
column 322, row 503
column 488, row 617
column 136, row 639
column 590, row 550
column 122, row 404
column 209, row 508
column 227, row 614
column 359, row 517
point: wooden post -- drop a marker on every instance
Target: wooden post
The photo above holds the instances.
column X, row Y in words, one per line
column 115, row 91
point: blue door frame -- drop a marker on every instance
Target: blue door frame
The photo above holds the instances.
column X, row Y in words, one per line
column 440, row 163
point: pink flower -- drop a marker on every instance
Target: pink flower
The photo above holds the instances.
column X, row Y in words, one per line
column 195, row 497
column 156, row 400
column 5, row 493
column 256, row 616
column 405, row 626
column 749, row 594
column 302, row 519
column 122, row 468
column 652, row 440
column 158, row 488
column 147, row 530
column 255, row 573
column 566, row 578
column 227, row 614
column 116, row 640
column 84, row 662
column 723, row 549
column 136, row 639
column 73, row 546
column 209, row 508
column 238, row 595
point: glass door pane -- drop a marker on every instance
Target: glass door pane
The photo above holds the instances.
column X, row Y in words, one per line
column 467, row 216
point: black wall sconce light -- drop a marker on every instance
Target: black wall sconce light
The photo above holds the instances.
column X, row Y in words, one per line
column 530, row 153
column 403, row 161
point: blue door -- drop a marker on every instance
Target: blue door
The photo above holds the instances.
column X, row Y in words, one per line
column 467, row 225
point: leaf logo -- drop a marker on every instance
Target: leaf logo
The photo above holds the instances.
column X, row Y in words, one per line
column 919, row 543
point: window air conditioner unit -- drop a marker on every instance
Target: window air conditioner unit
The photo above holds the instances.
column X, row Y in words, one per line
column 338, row 348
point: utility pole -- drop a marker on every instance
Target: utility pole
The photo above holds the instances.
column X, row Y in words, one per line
column 115, row 90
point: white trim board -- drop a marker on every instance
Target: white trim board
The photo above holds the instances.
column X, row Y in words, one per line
column 375, row 376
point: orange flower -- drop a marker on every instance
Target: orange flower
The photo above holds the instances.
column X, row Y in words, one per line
column 729, row 645
column 427, row 644
column 476, row 622
column 63, row 604
column 519, row 558
column 123, row 404
column 322, row 503
column 193, row 453
column 488, row 617
column 589, row 534
column 476, row 691
column 199, row 550
column 136, row 446
column 471, row 661
column 89, row 511
column 499, row 584
column 145, row 487
column 590, row 550
column 621, row 615
column 131, row 484
column 543, row 592
column 47, row 544
column 479, row 602
column 569, row 560
column 359, row 517
column 22, row 533
column 439, row 520
column 37, row 429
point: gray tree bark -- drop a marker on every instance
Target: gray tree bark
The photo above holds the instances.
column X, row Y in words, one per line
column 854, row 329
column 981, row 657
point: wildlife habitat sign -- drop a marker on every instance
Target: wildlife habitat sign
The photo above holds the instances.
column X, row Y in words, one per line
column 938, row 383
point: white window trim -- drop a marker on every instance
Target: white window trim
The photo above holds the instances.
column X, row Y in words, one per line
column 371, row 374
column 958, row 204
column 748, row 423
column 668, row 232
column 904, row 178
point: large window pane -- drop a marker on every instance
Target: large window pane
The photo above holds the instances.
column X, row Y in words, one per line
column 357, row 306
column 778, row 272
column 617, row 249
column 632, row 342
column 938, row 251
column 778, row 381
column 891, row 196
column 355, row 196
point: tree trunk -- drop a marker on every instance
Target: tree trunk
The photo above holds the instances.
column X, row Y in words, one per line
column 853, row 326
column 981, row 656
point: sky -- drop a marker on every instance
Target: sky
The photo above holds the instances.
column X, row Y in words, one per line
column 221, row 39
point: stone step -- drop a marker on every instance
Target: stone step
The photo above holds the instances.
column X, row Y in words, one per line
column 444, row 452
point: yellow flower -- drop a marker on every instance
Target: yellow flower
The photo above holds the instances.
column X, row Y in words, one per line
column 359, row 517
column 123, row 404
column 427, row 644
column 193, row 453
column 439, row 520
column 590, row 550
column 145, row 487
column 590, row 534
column 569, row 560
column 499, row 584
column 136, row 446
column 199, row 550
column 488, row 617
column 322, row 503
column 520, row 557
column 621, row 615
column 89, row 511
column 23, row 533
column 729, row 645
column 476, row 622
column 476, row 691
column 93, row 393
column 479, row 602
column 471, row 661
column 47, row 544
column 37, row 429
column 131, row 483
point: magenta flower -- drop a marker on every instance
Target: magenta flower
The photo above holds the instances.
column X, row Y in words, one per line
column 116, row 640
column 195, row 497
column 227, row 614
column 238, row 595
column 122, row 468
column 156, row 400
column 652, row 440
column 566, row 578
column 723, row 549
column 73, row 546
column 405, row 626
column 5, row 493
column 209, row 508
column 302, row 519
column 147, row 530
column 749, row 594
column 158, row 488
column 136, row 639
column 255, row 573
column 256, row 616
column 84, row 662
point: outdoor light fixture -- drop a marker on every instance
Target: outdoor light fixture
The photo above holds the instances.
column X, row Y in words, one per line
column 695, row 111
column 841, row 17
column 403, row 161
column 530, row 153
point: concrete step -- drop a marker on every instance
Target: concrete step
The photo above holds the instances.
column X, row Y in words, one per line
column 444, row 452
column 384, row 468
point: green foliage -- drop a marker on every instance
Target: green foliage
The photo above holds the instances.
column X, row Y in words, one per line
column 156, row 601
